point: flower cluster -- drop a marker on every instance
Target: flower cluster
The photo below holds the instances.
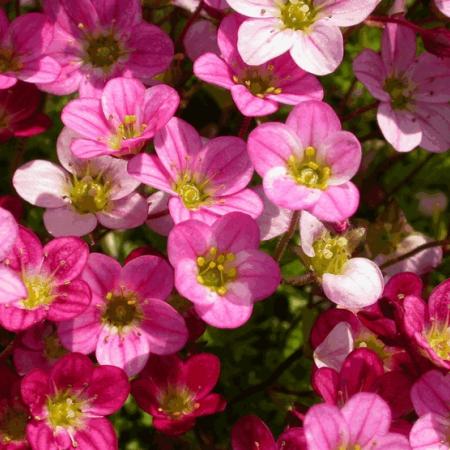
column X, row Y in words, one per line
column 184, row 203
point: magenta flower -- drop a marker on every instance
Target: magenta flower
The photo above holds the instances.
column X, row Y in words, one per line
column 96, row 41
column 351, row 283
column 431, row 399
column 82, row 192
column 251, row 433
column 362, row 423
column 159, row 218
column 308, row 29
column 37, row 348
column 14, row 414
column 51, row 275
column 428, row 325
column 20, row 114
column 122, row 120
column 68, row 404
column 306, row 164
column 220, row 269
column 128, row 317
column 414, row 100
column 205, row 181
column 23, row 50
column 177, row 392
column 256, row 90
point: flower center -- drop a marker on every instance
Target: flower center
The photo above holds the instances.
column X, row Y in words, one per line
column 399, row 91
column 215, row 270
column 438, row 336
column 308, row 171
column 351, row 447
column 370, row 341
column 13, row 425
column 259, row 81
column 128, row 129
column 177, row 401
column 191, row 191
column 330, row 255
column 121, row 309
column 298, row 14
column 53, row 348
column 40, row 291
column 89, row 195
column 65, row 410
column 103, row 51
column 8, row 63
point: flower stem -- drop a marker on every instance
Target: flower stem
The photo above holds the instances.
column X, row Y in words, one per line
column 301, row 280
column 360, row 111
column 284, row 241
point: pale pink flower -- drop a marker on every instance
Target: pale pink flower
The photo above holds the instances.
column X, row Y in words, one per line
column 306, row 164
column 362, row 423
column 122, row 120
column 431, row 399
column 443, row 6
column 351, row 283
column 220, row 268
column 23, row 50
column 205, row 181
column 82, row 192
column 128, row 317
column 96, row 41
column 414, row 107
column 51, row 274
column 256, row 90
column 308, row 29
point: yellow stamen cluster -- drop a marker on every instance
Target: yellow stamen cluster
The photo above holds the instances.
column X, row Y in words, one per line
column 192, row 191
column 122, row 309
column 40, row 291
column 65, row 410
column 438, row 336
column 128, row 129
column 308, row 171
column 12, row 426
column 400, row 92
column 215, row 270
column 370, row 341
column 298, row 14
column 8, row 61
column 177, row 401
column 330, row 254
column 89, row 194
column 260, row 81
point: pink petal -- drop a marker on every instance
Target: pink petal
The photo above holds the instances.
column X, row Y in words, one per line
column 41, row 435
column 325, row 382
column 212, row 69
column 99, row 433
column 158, row 218
column 71, row 300
column 27, row 25
column 12, row 288
column 41, row 70
column 27, row 251
column 431, row 393
column 345, row 13
column 201, row 373
column 7, row 81
column 148, row 276
column 438, row 303
column 251, row 432
column 398, row 48
column 8, row 232
column 102, row 274
column 434, row 120
column 313, row 122
column 201, row 38
column 42, row 183
column 255, row 8
column 73, row 370
column 67, row 222
column 87, row 148
column 250, row 105
column 320, row 50
column 263, row 39
column 311, row 229
column 430, row 432
column 34, row 389
column 163, row 327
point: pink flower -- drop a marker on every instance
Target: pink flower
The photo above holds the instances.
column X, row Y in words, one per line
column 51, row 275
column 96, row 41
column 14, row 414
column 204, row 181
column 255, row 90
column 23, row 50
column 37, row 348
column 428, row 325
column 414, row 100
column 351, row 283
column 443, row 6
column 128, row 317
column 220, row 269
column 68, row 404
column 159, row 219
column 306, row 164
column 82, row 192
column 431, row 398
column 362, row 423
column 251, row 433
column 177, row 392
column 363, row 371
column 308, row 29
column 122, row 120
column 20, row 114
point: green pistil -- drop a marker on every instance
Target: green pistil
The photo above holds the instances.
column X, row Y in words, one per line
column 177, row 401
column 308, row 171
column 8, row 62
column 65, row 410
column 215, row 270
column 259, row 81
column 103, row 51
column 40, row 291
column 399, row 91
column 13, row 425
column 371, row 342
column 89, row 195
column 298, row 14
column 330, row 255
column 128, row 129
column 438, row 336
column 122, row 309
column 191, row 191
